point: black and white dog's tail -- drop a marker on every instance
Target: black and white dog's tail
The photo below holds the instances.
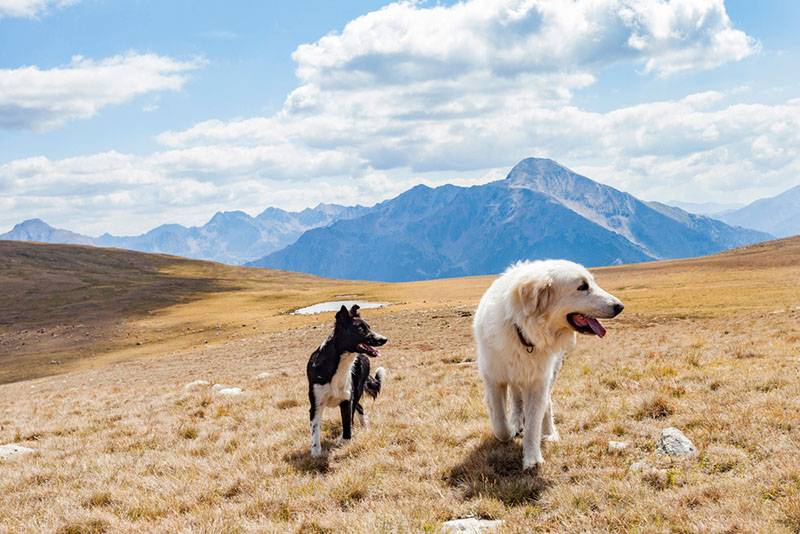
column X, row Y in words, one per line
column 373, row 385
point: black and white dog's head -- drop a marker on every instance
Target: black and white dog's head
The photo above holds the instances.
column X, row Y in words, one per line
column 353, row 334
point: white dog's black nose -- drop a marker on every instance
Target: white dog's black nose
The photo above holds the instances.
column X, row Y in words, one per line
column 618, row 307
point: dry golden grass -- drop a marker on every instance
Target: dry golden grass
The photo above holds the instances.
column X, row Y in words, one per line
column 711, row 346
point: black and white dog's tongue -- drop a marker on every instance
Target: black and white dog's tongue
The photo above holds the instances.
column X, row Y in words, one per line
column 368, row 350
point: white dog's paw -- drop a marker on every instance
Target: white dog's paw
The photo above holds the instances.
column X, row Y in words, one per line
column 532, row 466
column 552, row 437
column 518, row 428
column 504, row 434
column 316, row 452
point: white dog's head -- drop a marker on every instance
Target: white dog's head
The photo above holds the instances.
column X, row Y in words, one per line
column 558, row 295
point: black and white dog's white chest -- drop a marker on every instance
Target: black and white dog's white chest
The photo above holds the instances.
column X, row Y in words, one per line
column 340, row 386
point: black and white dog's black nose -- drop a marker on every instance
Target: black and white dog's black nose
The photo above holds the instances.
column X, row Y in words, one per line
column 377, row 341
column 618, row 307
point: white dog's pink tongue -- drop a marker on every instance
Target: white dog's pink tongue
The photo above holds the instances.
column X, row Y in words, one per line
column 591, row 322
column 596, row 327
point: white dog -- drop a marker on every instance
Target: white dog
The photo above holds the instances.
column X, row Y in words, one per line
column 525, row 324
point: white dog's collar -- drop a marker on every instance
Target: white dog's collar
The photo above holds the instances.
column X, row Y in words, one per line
column 530, row 347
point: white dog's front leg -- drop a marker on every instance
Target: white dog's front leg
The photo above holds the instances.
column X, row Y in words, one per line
column 549, row 424
column 535, row 405
column 496, row 403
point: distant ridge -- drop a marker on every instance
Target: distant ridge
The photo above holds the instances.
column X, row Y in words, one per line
column 39, row 231
column 229, row 237
column 778, row 215
column 710, row 209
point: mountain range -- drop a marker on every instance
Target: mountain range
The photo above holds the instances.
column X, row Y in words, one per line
column 229, row 237
column 778, row 215
column 540, row 210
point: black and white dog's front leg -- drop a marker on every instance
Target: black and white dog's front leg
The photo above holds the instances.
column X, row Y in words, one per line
column 316, row 422
column 347, row 419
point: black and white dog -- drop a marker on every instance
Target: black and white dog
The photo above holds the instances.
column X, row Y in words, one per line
column 338, row 373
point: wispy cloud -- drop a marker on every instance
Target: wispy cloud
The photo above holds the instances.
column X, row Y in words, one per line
column 41, row 99
column 31, row 8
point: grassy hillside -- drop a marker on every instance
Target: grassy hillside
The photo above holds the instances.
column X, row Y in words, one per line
column 711, row 346
column 64, row 307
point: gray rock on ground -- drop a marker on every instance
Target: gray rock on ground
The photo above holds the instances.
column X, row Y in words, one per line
column 229, row 391
column 617, row 446
column 12, row 450
column 197, row 384
column 639, row 465
column 673, row 442
column 472, row 525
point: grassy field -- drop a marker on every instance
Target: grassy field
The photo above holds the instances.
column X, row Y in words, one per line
column 711, row 346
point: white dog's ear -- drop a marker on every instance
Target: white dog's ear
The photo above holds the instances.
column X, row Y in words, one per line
column 534, row 296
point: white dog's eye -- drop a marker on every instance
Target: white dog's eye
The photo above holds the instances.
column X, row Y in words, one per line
column 584, row 286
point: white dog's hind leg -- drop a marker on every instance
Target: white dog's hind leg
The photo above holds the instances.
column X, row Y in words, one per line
column 517, row 412
column 535, row 404
column 496, row 403
column 549, row 431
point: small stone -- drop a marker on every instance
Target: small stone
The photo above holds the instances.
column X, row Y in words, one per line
column 197, row 384
column 616, row 446
column 472, row 525
column 674, row 443
column 230, row 391
column 217, row 387
column 12, row 450
column 263, row 376
column 640, row 465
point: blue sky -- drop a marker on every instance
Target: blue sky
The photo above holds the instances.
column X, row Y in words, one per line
column 179, row 109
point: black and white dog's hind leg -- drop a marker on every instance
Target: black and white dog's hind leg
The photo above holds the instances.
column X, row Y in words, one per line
column 369, row 385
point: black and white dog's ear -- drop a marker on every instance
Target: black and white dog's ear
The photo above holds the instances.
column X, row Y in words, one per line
column 342, row 316
column 354, row 310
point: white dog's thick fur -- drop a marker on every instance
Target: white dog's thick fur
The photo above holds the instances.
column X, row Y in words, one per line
column 536, row 297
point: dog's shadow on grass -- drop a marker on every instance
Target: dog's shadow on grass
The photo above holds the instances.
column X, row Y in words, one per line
column 303, row 462
column 494, row 469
